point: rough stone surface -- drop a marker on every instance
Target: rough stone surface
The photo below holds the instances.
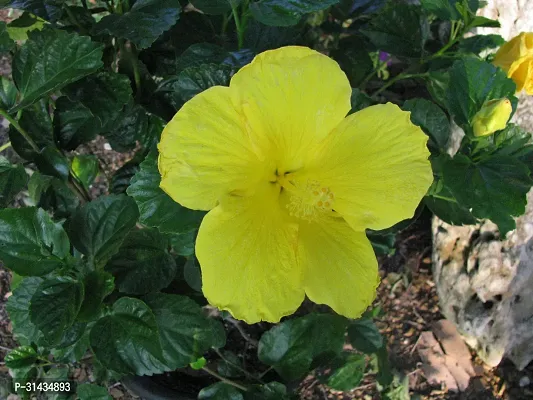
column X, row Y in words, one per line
column 484, row 282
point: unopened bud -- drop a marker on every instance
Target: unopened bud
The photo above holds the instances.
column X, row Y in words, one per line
column 492, row 117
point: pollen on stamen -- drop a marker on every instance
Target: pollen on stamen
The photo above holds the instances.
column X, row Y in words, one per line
column 309, row 201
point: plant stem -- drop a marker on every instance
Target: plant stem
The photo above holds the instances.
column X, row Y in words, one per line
column 225, row 380
column 75, row 21
column 5, row 146
column 444, row 198
column 17, row 126
column 245, row 336
column 265, row 372
column 225, row 21
column 136, row 72
column 367, row 79
column 238, row 26
column 84, row 4
column 397, row 78
column 249, row 375
column 78, row 188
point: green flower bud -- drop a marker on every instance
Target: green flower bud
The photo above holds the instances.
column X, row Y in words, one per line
column 492, row 117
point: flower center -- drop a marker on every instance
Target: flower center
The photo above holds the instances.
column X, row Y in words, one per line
column 308, row 201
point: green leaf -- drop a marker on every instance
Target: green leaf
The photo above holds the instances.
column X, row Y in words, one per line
column 493, row 188
column 220, row 391
column 201, row 53
column 13, row 179
column 143, row 254
column 472, row 83
column 85, row 168
column 50, row 10
column 431, row 119
column 6, row 43
column 122, row 177
column 88, row 391
column 384, row 375
column 98, row 285
column 21, row 357
column 198, row 364
column 480, row 21
column 364, row 335
column 359, row 100
column 73, row 352
column 74, row 124
column 449, row 211
column 18, row 29
column 18, row 306
column 230, row 366
column 8, row 93
column 291, row 346
column 347, row 373
column 269, row 391
column 476, row 44
column 260, row 37
column 383, row 244
column 30, row 242
column 157, row 209
column 183, row 243
column 132, row 126
column 443, row 9
column 215, row 7
column 53, row 195
column 512, row 141
column 36, row 121
column 405, row 37
column 51, row 59
column 437, row 85
column 194, row 80
column 98, row 228
column 354, row 59
column 193, row 274
column 127, row 340
column 53, row 162
column 55, row 305
column 143, row 23
column 185, row 332
column 286, row 12
column 104, row 94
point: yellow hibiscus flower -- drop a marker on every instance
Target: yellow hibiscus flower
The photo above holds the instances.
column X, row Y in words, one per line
column 516, row 58
column 291, row 184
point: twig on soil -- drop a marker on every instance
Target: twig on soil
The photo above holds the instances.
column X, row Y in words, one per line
column 5, row 348
column 417, row 314
column 415, row 324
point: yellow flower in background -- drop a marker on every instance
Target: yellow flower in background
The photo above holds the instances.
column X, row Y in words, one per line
column 516, row 58
column 291, row 184
column 492, row 117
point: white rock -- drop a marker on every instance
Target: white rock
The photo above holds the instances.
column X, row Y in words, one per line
column 485, row 283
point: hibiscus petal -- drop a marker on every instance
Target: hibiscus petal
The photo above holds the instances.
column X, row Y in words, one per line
column 247, row 254
column 340, row 268
column 523, row 76
column 376, row 165
column 294, row 96
column 205, row 152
